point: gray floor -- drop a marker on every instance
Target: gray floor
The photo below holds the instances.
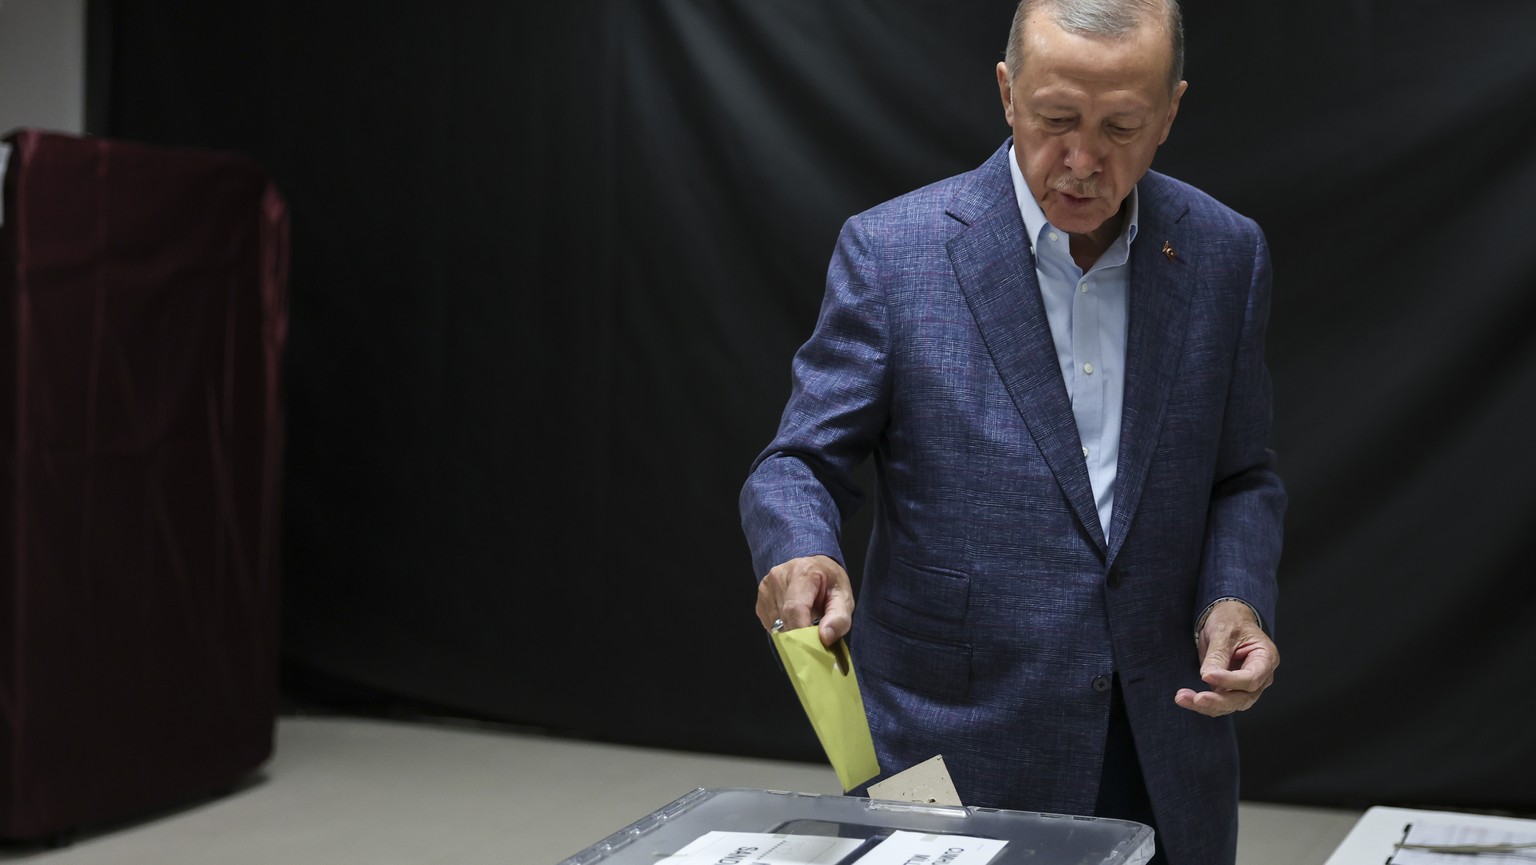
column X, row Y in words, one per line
column 343, row 791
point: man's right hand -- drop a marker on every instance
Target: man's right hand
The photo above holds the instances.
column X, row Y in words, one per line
column 802, row 590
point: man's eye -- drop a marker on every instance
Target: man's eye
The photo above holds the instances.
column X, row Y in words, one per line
column 1122, row 131
column 1057, row 121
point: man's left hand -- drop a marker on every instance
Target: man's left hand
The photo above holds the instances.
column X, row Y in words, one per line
column 1238, row 661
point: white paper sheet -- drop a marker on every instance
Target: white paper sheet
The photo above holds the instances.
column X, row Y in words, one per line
column 1450, row 834
column 916, row 848
column 749, row 848
column 927, row 783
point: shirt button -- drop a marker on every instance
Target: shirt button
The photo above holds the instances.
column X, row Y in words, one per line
column 1053, row 236
column 1101, row 683
column 1084, row 287
column 1085, row 450
column 1088, row 368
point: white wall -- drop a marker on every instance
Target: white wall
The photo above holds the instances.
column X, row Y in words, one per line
column 42, row 65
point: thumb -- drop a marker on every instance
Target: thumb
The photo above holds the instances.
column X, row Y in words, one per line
column 1218, row 658
column 837, row 617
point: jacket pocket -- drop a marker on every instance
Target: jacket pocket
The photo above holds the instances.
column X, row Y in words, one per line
column 925, row 592
column 924, row 668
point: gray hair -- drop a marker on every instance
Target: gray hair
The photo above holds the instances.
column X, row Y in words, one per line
column 1115, row 19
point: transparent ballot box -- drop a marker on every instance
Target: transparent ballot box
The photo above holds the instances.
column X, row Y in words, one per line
column 841, row 830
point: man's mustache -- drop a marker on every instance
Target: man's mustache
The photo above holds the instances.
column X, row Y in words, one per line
column 1085, row 188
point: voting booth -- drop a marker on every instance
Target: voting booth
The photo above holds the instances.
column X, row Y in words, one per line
column 746, row 827
column 142, row 319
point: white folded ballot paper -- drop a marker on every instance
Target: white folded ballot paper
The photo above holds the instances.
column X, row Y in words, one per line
column 899, row 848
column 927, row 783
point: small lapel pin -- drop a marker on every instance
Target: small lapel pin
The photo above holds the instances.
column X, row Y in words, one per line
column 1168, row 251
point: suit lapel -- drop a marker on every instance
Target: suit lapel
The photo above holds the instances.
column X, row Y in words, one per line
column 996, row 273
column 1159, row 304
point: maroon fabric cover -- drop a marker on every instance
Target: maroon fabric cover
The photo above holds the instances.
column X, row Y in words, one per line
column 142, row 320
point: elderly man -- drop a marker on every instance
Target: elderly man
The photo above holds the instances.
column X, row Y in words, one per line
column 1057, row 363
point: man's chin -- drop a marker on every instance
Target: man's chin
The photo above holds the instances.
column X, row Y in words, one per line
column 1077, row 222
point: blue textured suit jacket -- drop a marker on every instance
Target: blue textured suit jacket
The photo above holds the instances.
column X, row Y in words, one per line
column 990, row 603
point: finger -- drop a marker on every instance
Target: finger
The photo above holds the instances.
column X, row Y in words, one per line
column 1218, row 658
column 1191, row 700
column 798, row 606
column 770, row 595
column 803, row 596
column 1256, row 670
column 1185, row 699
column 1238, row 680
column 767, row 605
column 1213, row 703
column 784, row 599
column 837, row 618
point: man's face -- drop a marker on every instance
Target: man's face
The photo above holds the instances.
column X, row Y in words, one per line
column 1088, row 114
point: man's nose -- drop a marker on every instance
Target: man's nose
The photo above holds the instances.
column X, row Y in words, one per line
column 1083, row 155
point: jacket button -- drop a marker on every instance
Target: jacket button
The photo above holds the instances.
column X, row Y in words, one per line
column 1113, row 580
column 1101, row 683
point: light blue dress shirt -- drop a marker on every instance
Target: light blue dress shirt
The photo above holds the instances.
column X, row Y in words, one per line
column 1088, row 313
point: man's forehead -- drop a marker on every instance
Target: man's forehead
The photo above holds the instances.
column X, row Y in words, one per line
column 1137, row 59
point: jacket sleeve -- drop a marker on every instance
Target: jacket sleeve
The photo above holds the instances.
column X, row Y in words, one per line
column 801, row 488
column 1243, row 528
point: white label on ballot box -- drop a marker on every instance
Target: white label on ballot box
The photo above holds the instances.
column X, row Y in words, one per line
column 916, row 848
column 748, row 848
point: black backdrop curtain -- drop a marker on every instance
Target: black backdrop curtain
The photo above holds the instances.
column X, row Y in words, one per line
column 551, row 261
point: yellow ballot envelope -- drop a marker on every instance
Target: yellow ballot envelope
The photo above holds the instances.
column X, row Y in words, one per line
column 829, row 691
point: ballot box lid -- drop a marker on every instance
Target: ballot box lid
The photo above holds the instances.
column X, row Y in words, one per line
column 1036, row 839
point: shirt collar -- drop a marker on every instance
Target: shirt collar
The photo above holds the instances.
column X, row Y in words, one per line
column 1035, row 223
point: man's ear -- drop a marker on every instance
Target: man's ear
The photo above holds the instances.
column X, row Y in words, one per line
column 1173, row 109
column 1005, row 90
